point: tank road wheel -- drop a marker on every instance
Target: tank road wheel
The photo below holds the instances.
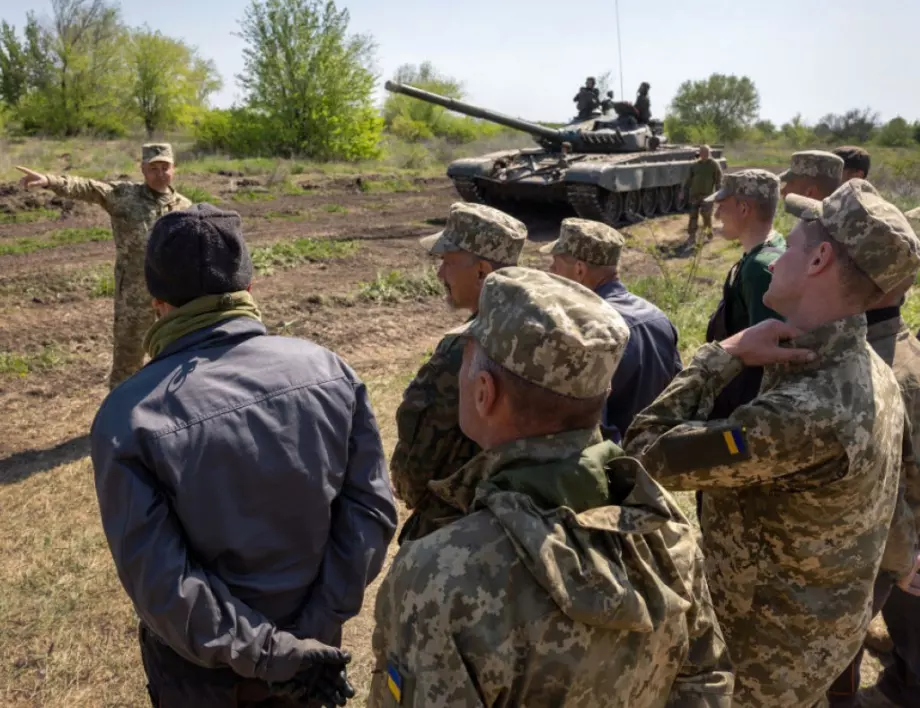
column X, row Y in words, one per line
column 648, row 199
column 613, row 208
column 631, row 207
column 665, row 199
column 680, row 199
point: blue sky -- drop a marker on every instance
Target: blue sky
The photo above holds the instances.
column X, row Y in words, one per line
column 528, row 58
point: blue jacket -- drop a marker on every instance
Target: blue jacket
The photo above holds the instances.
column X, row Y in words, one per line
column 244, row 495
column 649, row 363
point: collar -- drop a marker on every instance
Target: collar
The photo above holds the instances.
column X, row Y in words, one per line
column 832, row 342
column 773, row 239
column 459, row 489
column 220, row 333
column 610, row 287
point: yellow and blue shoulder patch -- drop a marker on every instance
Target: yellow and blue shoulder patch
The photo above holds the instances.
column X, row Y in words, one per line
column 394, row 681
column 701, row 448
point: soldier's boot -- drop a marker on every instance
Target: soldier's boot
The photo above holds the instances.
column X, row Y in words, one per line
column 130, row 325
column 707, row 223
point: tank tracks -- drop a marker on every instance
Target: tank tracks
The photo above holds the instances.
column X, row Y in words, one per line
column 585, row 199
column 468, row 190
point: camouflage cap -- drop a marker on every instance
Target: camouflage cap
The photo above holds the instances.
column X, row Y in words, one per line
column 756, row 184
column 157, row 152
column 588, row 241
column 550, row 331
column 814, row 163
column 876, row 235
column 480, row 230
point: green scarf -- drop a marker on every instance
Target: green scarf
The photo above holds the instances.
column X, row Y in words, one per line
column 198, row 314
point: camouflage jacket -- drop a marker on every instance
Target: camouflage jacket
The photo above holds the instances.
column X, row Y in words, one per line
column 801, row 488
column 133, row 208
column 571, row 579
column 431, row 444
column 704, row 178
column 893, row 342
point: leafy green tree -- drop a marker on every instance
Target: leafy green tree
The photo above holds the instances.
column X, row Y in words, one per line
column 727, row 103
column 171, row 83
column 310, row 80
column 14, row 70
column 855, row 126
column 766, row 128
column 917, row 131
column 895, row 133
column 797, row 132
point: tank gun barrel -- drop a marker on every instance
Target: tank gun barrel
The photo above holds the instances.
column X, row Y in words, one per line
column 475, row 111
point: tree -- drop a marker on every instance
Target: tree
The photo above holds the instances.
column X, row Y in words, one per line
column 895, row 133
column 14, row 71
column 797, row 132
column 170, row 81
column 310, row 80
column 401, row 109
column 854, row 126
column 766, row 128
column 727, row 103
column 917, row 131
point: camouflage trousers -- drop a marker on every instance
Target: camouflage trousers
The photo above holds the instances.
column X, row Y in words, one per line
column 173, row 682
column 699, row 208
column 133, row 317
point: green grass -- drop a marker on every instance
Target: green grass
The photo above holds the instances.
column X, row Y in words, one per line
column 28, row 217
column 197, row 195
column 289, row 254
column 248, row 196
column 12, row 364
column 102, row 284
column 335, row 209
column 397, row 286
column 60, row 237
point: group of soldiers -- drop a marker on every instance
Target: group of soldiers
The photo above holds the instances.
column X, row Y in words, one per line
column 588, row 102
column 247, row 501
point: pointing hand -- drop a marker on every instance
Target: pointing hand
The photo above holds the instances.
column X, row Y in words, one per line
column 32, row 179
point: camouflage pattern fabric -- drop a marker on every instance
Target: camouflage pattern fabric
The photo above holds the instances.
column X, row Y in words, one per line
column 814, row 163
column 704, row 178
column 481, row 230
column 801, row 486
column 133, row 208
column 754, row 184
column 876, row 235
column 529, row 602
column 431, row 444
column 550, row 331
column 589, row 241
column 913, row 216
column 157, row 152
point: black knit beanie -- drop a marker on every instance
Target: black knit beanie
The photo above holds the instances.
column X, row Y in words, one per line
column 196, row 252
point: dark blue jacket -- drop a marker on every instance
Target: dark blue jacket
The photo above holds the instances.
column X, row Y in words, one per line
column 649, row 363
column 243, row 491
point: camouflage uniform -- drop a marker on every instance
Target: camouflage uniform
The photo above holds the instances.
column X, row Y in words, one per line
column 809, row 164
column 569, row 577
column 802, row 483
column 133, row 208
column 431, row 444
column 705, row 177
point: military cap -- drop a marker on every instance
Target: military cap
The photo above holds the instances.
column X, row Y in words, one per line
column 876, row 235
column 157, row 152
column 481, row 230
column 814, row 163
column 756, row 184
column 550, row 331
column 588, row 241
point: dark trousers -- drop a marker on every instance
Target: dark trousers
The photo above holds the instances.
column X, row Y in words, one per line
column 900, row 682
column 173, row 682
column 842, row 693
column 699, row 208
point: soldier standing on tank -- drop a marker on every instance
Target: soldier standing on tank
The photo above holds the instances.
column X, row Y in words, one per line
column 643, row 105
column 565, row 576
column 476, row 241
column 803, row 505
column 133, row 208
column 704, row 178
column 587, row 99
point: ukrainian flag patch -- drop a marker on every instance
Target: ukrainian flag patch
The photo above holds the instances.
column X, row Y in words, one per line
column 394, row 681
column 734, row 441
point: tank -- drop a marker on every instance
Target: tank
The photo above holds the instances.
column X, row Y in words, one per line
column 607, row 168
